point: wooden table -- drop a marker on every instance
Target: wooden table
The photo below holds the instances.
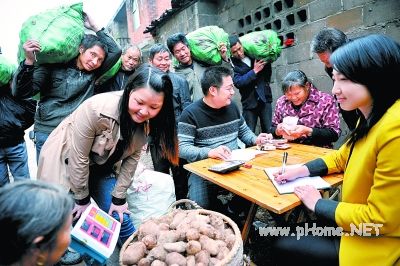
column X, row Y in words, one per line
column 254, row 185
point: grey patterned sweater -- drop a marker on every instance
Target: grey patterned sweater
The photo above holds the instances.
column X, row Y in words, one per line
column 202, row 128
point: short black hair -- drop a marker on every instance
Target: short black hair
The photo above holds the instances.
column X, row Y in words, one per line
column 175, row 39
column 90, row 40
column 157, row 48
column 212, row 76
column 328, row 40
column 233, row 40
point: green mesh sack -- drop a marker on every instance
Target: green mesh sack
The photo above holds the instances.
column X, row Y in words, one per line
column 205, row 42
column 6, row 70
column 109, row 73
column 262, row 45
column 59, row 32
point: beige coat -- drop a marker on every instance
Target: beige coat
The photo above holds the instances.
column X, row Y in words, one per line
column 89, row 136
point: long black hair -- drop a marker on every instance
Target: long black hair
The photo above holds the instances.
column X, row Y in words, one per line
column 371, row 61
column 162, row 128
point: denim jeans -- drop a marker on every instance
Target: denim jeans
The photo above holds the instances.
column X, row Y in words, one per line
column 40, row 139
column 262, row 111
column 101, row 185
column 202, row 191
column 14, row 158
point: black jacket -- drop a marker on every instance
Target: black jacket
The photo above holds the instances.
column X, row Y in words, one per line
column 252, row 86
column 116, row 83
column 62, row 87
column 181, row 94
column 16, row 115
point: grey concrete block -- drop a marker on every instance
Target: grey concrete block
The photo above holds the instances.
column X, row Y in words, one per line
column 323, row 8
column 236, row 12
column 305, row 33
column 206, row 7
column 349, row 4
column 381, row 11
column 297, row 53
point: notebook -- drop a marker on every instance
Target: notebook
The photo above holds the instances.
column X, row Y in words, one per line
column 315, row 181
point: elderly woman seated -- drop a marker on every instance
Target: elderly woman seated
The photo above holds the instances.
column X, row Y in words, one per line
column 316, row 111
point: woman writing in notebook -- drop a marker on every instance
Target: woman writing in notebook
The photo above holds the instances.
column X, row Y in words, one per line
column 371, row 181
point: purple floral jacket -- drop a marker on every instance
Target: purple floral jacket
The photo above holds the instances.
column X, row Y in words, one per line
column 319, row 111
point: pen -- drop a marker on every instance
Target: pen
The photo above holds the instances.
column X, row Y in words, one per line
column 334, row 194
column 284, row 160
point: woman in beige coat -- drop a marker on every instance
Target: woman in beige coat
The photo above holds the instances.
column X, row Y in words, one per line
column 110, row 128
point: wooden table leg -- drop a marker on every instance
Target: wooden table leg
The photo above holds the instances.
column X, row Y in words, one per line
column 249, row 222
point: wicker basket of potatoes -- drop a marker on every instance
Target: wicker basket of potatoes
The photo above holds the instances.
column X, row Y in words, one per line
column 185, row 237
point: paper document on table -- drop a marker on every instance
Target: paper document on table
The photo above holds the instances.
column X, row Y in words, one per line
column 315, row 181
column 244, row 154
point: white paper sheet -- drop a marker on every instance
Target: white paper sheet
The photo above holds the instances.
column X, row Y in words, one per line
column 244, row 154
column 315, row 181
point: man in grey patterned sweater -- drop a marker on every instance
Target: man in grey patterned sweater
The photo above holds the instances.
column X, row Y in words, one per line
column 210, row 127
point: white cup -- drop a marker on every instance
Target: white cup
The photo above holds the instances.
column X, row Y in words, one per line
column 289, row 123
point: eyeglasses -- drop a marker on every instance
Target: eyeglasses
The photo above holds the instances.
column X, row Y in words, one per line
column 228, row 88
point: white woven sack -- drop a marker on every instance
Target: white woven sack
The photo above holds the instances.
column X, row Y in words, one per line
column 150, row 195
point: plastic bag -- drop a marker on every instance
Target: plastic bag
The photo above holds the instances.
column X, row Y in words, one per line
column 6, row 70
column 263, row 45
column 59, row 32
column 205, row 43
column 150, row 195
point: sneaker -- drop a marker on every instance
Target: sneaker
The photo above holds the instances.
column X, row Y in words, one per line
column 70, row 258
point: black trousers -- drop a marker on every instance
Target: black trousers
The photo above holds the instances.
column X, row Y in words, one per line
column 179, row 174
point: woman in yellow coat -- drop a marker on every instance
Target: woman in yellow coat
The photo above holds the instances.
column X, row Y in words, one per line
column 371, row 183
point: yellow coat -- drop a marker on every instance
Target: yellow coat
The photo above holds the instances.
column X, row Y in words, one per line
column 371, row 193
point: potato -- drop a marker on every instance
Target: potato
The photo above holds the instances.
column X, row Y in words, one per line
column 217, row 222
column 179, row 247
column 209, row 245
column 223, row 252
column 202, row 257
column 158, row 263
column 203, row 218
column 163, row 226
column 197, row 224
column 148, row 228
column 220, row 243
column 192, row 234
column 178, row 218
column 134, row 253
column 190, row 261
column 175, row 258
column 230, row 240
column 193, row 247
column 144, row 262
column 157, row 253
column 167, row 237
column 214, row 261
column 208, row 230
column 150, row 241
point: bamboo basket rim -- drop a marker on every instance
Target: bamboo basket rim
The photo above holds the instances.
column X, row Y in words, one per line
column 238, row 238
